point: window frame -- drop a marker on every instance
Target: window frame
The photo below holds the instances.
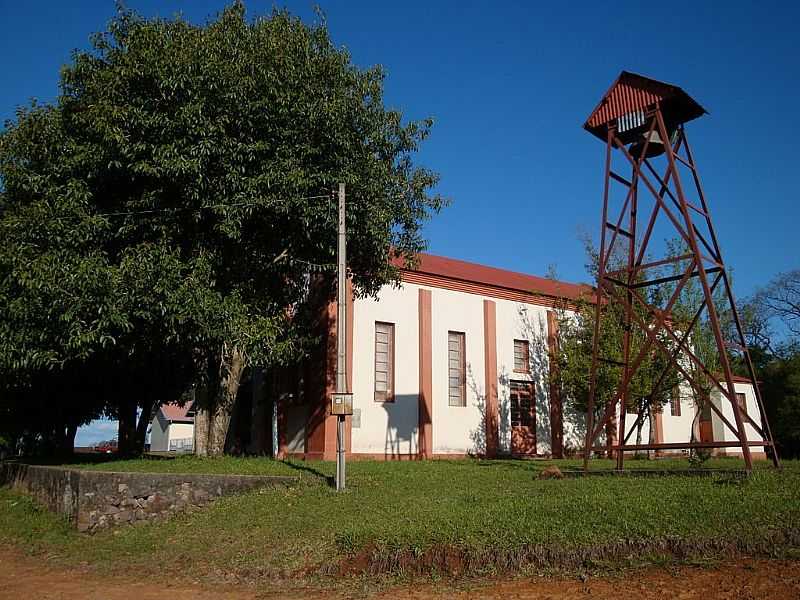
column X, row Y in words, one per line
column 462, row 337
column 389, row 394
column 527, row 360
column 675, row 403
column 741, row 400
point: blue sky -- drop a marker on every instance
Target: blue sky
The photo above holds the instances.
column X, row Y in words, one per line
column 97, row 431
column 509, row 85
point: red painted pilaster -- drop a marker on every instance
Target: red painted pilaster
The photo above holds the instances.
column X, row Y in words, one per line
column 321, row 374
column 491, row 408
column 556, row 406
column 658, row 421
column 349, row 362
column 425, row 432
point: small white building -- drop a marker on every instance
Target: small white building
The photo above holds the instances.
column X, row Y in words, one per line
column 172, row 429
column 455, row 362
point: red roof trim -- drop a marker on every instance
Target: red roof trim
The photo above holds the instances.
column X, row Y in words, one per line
column 460, row 270
column 736, row 379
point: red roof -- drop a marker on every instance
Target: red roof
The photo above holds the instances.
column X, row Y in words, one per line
column 174, row 412
column 474, row 273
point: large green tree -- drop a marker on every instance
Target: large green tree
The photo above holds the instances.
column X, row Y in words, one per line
column 177, row 196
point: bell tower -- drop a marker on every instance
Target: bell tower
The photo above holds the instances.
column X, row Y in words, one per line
column 652, row 192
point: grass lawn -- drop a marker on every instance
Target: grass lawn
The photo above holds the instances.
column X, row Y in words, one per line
column 260, row 466
column 493, row 514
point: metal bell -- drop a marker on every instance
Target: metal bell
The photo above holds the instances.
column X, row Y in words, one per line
column 654, row 148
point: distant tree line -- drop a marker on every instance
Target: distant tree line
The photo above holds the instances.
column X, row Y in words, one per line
column 162, row 221
column 772, row 318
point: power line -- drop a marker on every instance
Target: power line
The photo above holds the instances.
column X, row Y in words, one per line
column 175, row 210
column 150, row 211
column 315, row 267
column 197, row 208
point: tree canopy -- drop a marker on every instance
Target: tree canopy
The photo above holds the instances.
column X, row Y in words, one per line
column 171, row 206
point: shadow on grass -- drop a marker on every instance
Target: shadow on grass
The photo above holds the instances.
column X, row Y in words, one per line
column 328, row 479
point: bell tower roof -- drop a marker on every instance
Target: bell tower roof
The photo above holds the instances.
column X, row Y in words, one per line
column 626, row 101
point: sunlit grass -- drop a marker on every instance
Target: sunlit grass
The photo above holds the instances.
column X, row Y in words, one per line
column 484, row 506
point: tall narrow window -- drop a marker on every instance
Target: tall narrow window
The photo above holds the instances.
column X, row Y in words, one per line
column 741, row 401
column 384, row 362
column 456, row 369
column 521, row 356
column 675, row 403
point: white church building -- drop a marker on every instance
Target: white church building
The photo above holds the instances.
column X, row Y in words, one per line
column 455, row 362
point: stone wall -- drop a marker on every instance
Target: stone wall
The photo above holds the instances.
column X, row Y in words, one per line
column 95, row 500
column 53, row 487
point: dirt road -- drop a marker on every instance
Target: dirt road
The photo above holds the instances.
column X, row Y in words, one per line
column 27, row 578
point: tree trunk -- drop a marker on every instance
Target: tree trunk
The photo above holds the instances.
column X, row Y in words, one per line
column 141, row 427
column 695, row 431
column 201, row 423
column 59, row 436
column 55, row 445
column 639, row 427
column 69, row 439
column 230, row 374
column 127, row 427
column 611, row 436
column 201, row 420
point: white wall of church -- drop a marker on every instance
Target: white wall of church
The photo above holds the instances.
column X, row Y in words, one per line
column 388, row 428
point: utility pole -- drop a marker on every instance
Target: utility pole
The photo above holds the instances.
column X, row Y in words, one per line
column 341, row 342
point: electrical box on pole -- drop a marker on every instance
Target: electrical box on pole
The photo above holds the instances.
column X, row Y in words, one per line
column 342, row 404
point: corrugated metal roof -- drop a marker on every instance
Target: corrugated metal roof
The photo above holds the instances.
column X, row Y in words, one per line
column 482, row 274
column 631, row 93
column 174, row 412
